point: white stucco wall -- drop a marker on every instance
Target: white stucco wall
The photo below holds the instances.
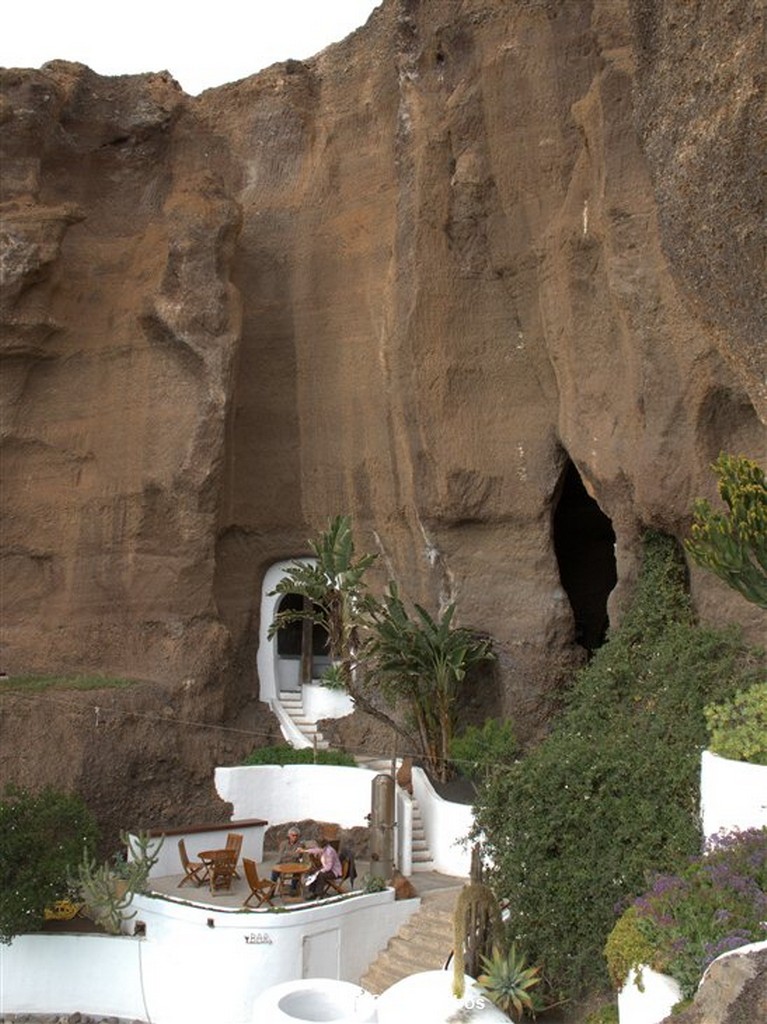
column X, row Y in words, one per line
column 169, row 860
column 196, row 963
column 294, row 792
column 650, row 1005
column 446, row 824
column 733, row 794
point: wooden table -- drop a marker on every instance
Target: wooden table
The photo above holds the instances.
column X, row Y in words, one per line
column 290, row 870
column 220, row 866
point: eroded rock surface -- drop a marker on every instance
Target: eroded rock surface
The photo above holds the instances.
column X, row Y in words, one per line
column 476, row 263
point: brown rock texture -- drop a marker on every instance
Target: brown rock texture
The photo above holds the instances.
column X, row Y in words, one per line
column 733, row 991
column 418, row 279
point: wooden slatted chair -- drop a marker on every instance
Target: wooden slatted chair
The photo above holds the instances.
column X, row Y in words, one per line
column 261, row 889
column 234, row 842
column 337, row 884
column 221, row 870
column 195, row 870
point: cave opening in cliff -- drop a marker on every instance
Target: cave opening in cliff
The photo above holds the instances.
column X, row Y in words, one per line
column 584, row 543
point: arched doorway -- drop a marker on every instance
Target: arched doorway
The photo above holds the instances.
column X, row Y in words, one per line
column 584, row 543
column 302, row 641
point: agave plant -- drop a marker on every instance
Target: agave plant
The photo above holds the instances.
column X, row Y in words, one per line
column 507, row 980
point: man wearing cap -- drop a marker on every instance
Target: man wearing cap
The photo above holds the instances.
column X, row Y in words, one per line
column 288, row 852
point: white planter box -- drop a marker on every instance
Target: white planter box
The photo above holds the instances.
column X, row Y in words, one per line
column 733, row 794
column 652, row 1004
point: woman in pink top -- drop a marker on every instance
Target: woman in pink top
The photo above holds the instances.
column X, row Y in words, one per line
column 330, row 867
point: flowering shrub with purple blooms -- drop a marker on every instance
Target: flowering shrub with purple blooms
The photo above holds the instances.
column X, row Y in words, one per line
column 717, row 903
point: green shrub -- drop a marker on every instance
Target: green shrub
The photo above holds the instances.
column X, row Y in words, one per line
column 604, row 1015
column 738, row 727
column 477, row 752
column 628, row 948
column 716, row 903
column 42, row 839
column 613, row 792
column 292, row 755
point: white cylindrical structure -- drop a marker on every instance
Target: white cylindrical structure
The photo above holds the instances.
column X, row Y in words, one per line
column 315, row 999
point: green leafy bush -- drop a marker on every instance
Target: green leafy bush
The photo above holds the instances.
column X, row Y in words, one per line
column 716, row 903
column 42, row 839
column 738, row 727
column 627, row 948
column 478, row 752
column 613, row 792
column 292, row 755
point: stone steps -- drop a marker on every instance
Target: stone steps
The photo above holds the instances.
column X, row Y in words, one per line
column 423, row 943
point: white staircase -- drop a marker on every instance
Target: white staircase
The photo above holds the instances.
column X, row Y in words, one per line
column 422, row 858
column 293, row 704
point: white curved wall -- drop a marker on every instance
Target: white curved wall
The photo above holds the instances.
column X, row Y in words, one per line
column 733, row 794
column 651, row 1005
column 446, row 825
column 195, row 963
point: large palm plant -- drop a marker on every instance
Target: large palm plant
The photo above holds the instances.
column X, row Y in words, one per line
column 422, row 661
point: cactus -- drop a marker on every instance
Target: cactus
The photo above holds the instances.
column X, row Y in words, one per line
column 108, row 889
column 733, row 544
column 477, row 926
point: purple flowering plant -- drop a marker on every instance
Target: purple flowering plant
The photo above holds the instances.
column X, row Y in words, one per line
column 717, row 903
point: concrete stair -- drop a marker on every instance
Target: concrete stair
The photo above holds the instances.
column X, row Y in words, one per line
column 422, row 944
column 294, row 705
column 422, row 858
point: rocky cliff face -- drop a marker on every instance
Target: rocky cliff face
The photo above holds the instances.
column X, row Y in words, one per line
column 489, row 277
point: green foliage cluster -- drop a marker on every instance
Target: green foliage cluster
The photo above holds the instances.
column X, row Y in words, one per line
column 479, row 751
column 604, row 1015
column 612, row 793
column 628, row 948
column 42, row 839
column 292, row 755
column 37, row 684
column 738, row 727
column 733, row 544
column 715, row 903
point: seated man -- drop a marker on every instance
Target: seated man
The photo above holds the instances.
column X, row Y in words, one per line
column 329, row 866
column 289, row 852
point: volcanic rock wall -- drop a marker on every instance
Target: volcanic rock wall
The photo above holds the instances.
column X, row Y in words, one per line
column 417, row 278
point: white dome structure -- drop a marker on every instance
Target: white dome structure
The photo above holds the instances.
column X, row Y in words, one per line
column 428, row 998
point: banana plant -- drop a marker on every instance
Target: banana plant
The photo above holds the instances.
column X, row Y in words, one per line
column 733, row 544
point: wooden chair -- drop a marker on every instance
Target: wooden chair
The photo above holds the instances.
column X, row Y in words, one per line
column 261, row 889
column 195, row 870
column 234, row 842
column 221, row 870
column 337, row 884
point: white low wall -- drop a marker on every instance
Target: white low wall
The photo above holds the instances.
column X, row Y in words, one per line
column 198, row 839
column 446, row 825
column 652, row 1004
column 733, row 794
column 196, row 963
column 294, row 792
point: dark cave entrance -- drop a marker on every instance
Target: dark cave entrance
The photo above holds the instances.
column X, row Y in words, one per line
column 584, row 543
